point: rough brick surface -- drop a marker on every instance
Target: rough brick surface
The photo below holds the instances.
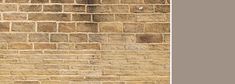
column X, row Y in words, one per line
column 85, row 41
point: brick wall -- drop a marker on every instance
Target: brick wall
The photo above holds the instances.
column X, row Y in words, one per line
column 84, row 41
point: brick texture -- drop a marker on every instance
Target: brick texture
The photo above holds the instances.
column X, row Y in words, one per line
column 85, row 42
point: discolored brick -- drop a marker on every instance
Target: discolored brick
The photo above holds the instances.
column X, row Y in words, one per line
column 87, row 27
column 23, row 27
column 111, row 27
column 153, row 18
column 110, row 1
column 44, row 46
column 39, row 37
column 66, row 46
column 46, row 27
column 149, row 38
column 87, row 46
column 59, row 38
column 16, row 1
column 20, row 46
column 162, row 8
column 78, row 38
column 4, row 26
column 103, row 18
column 133, row 27
column 14, row 16
column 132, row 1
column 26, row 82
column 142, row 9
column 39, row 1
column 102, row 38
column 67, row 27
column 62, row 1
column 88, row 1
column 125, row 17
column 13, row 37
column 30, row 8
column 8, row 7
column 108, row 9
column 49, row 16
column 121, row 38
column 74, row 8
column 158, row 27
column 52, row 8
column 154, row 1
column 81, row 17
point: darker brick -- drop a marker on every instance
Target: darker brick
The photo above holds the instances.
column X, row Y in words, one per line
column 132, row 1
column 81, row 17
column 44, row 46
column 16, row 1
column 142, row 9
column 52, row 8
column 157, row 27
column 30, row 8
column 88, row 46
column 62, row 1
column 88, row 1
column 59, row 38
column 67, row 27
column 149, row 38
column 133, row 27
column 78, row 38
column 87, row 27
column 48, row 16
column 154, row 1
column 46, row 27
column 103, row 18
column 74, row 8
column 125, row 17
column 4, row 26
column 162, row 8
column 39, row 1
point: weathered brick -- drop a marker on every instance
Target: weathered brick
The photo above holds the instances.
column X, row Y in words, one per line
column 62, row 1
column 46, row 27
column 66, row 46
column 142, row 9
column 162, row 8
column 125, row 17
column 20, row 46
column 59, row 38
column 78, row 38
column 74, row 8
column 158, row 27
column 0, row 1
column 8, row 7
column 153, row 17
column 14, row 16
column 23, row 27
column 87, row 27
column 111, row 27
column 149, row 38
column 52, row 8
column 44, row 46
column 121, row 38
column 39, row 37
column 87, row 46
column 102, row 38
column 3, row 46
column 30, row 8
column 39, row 1
column 113, row 83
column 81, row 17
column 110, row 1
column 108, row 9
column 132, row 1
column 154, row 1
column 113, row 47
column 88, row 1
column 26, row 82
column 133, row 27
column 167, row 38
column 4, row 26
column 16, row 1
column 140, row 82
column 49, row 16
column 67, row 27
column 13, row 37
column 103, row 18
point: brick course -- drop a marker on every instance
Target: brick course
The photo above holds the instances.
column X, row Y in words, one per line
column 85, row 42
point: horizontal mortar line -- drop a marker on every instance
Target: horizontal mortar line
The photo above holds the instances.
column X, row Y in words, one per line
column 95, row 13
column 78, row 21
column 110, row 33
column 75, row 4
